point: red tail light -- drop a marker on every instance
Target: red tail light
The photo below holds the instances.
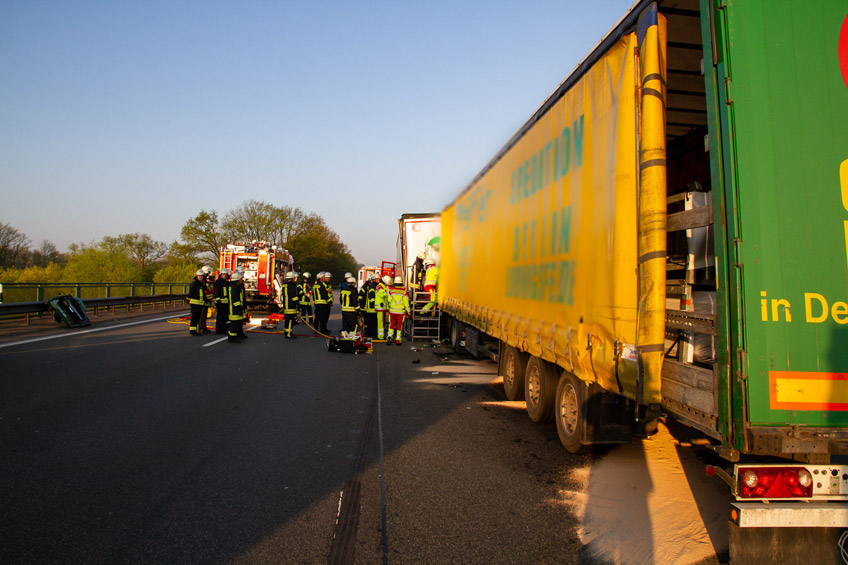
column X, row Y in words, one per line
column 774, row 482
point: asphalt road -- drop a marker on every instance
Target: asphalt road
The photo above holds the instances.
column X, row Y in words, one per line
column 141, row 444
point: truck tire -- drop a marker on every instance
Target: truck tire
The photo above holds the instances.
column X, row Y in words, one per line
column 514, row 364
column 570, row 413
column 540, row 385
column 455, row 334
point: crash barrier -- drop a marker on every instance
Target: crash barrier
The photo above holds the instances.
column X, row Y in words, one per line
column 92, row 305
column 40, row 291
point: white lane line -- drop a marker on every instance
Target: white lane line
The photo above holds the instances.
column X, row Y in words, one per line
column 223, row 338
column 33, row 340
column 219, row 340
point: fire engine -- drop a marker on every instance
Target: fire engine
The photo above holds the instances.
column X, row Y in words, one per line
column 265, row 268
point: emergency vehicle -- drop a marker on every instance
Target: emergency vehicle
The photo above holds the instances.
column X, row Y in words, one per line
column 265, row 266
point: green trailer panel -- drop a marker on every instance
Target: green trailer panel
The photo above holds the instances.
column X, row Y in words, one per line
column 787, row 112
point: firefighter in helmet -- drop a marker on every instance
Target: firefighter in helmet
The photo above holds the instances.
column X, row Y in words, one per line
column 306, row 299
column 197, row 302
column 381, row 296
column 222, row 305
column 348, row 298
column 291, row 301
column 431, row 281
column 237, row 308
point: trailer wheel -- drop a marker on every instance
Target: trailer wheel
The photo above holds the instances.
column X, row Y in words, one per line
column 570, row 413
column 513, row 373
column 540, row 384
column 455, row 334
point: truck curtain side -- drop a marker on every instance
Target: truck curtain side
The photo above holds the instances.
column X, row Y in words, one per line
column 669, row 229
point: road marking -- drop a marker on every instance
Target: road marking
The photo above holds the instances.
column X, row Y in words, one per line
column 33, row 340
column 223, row 338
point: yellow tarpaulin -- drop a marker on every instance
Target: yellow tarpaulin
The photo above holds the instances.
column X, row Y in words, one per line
column 542, row 251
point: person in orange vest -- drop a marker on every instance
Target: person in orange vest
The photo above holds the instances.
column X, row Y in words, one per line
column 398, row 302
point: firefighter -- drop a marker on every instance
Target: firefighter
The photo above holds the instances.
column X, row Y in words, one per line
column 431, row 280
column 344, row 284
column 366, row 305
column 197, row 301
column 350, row 306
column 291, row 300
column 322, row 298
column 306, row 299
column 398, row 302
column 222, row 305
column 237, row 308
column 381, row 296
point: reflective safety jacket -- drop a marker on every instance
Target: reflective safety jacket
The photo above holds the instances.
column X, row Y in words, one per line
column 431, row 277
column 197, row 292
column 237, row 302
column 321, row 294
column 380, row 297
column 219, row 291
column 347, row 300
column 329, row 288
column 290, row 297
column 398, row 301
column 305, row 290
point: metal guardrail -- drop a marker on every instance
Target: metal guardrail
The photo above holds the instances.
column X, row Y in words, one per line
column 27, row 309
column 37, row 291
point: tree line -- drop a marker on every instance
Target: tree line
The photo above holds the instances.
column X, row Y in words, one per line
column 138, row 257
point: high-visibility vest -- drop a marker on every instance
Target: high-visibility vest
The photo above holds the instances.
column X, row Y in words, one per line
column 319, row 293
column 197, row 293
column 329, row 289
column 291, row 297
column 431, row 277
column 380, row 297
column 398, row 301
column 235, row 294
column 346, row 299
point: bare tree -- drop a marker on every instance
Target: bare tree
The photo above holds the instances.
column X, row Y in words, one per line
column 13, row 244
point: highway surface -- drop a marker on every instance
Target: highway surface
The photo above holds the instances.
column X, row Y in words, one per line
column 131, row 441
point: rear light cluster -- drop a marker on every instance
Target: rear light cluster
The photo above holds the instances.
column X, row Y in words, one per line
column 774, row 482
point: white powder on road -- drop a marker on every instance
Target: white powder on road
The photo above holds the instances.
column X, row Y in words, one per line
column 650, row 502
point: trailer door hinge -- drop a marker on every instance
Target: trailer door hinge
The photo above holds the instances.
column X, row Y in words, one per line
column 741, row 360
column 737, row 252
column 728, row 91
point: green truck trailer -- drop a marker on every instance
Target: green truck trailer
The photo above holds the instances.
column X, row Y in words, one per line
column 668, row 234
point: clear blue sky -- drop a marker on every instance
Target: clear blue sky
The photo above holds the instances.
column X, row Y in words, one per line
column 124, row 117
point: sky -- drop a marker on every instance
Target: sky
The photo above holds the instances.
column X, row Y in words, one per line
column 132, row 117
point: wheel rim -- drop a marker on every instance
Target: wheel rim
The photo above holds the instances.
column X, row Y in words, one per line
column 534, row 386
column 509, row 370
column 568, row 409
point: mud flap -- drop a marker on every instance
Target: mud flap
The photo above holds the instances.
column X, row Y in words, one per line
column 609, row 417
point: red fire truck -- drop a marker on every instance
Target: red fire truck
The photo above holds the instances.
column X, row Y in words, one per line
column 265, row 268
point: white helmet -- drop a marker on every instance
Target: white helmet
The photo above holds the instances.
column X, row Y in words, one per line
column 347, row 275
column 387, row 279
column 328, row 274
column 351, row 280
column 398, row 281
column 290, row 276
column 237, row 276
column 225, row 271
column 199, row 273
column 306, row 275
column 420, row 255
column 428, row 262
column 206, row 269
